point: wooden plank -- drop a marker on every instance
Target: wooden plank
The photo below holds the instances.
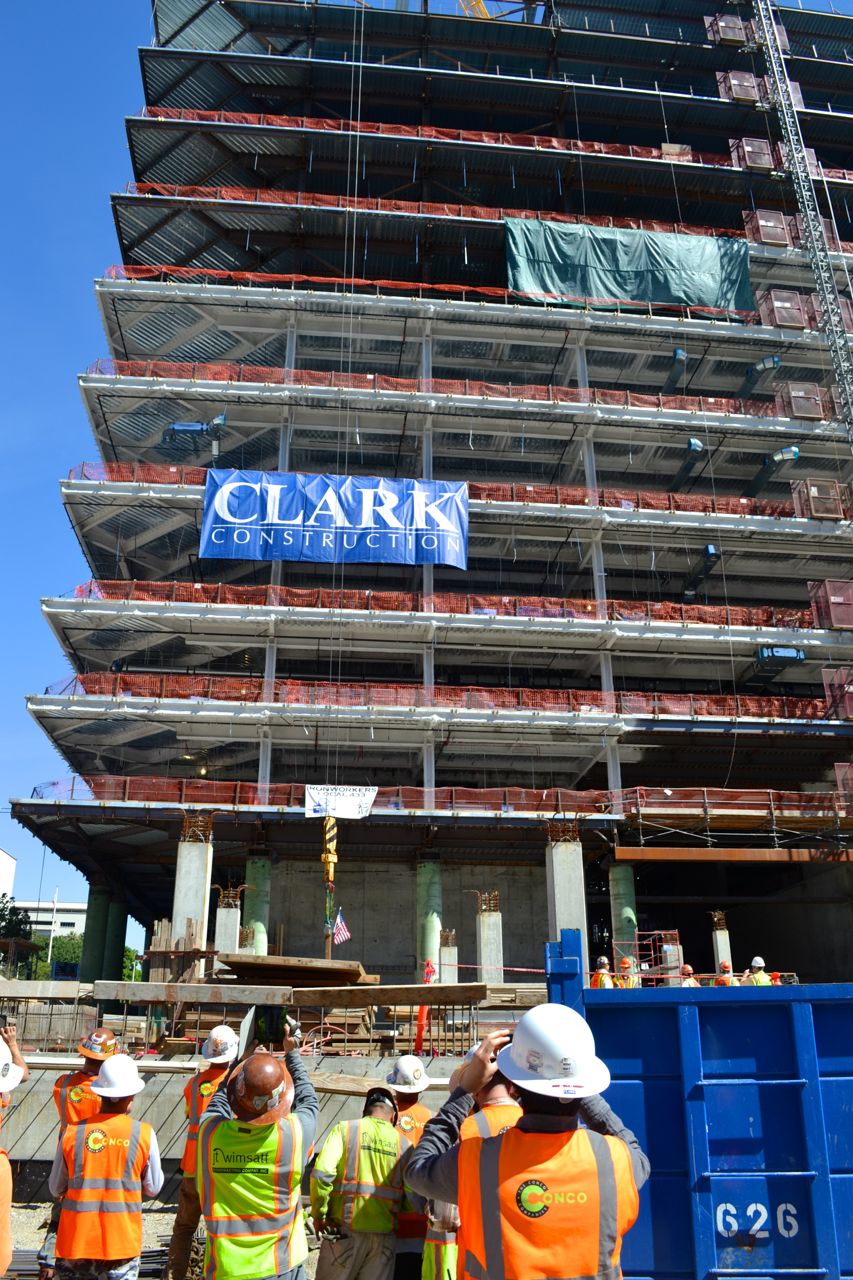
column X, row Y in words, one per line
column 360, row 997
column 663, row 853
column 18, row 989
column 233, row 994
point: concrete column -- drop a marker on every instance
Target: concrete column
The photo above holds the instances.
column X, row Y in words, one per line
column 226, row 930
column 428, row 576
column 256, row 901
column 566, row 890
column 428, row 897
column 721, row 942
column 114, row 940
column 94, row 933
column 623, row 910
column 490, row 947
column 191, row 899
column 448, row 962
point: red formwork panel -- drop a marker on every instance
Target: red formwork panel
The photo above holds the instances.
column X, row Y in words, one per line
column 801, row 400
column 783, row 308
column 753, row 153
column 832, row 603
column 819, row 499
column 767, row 226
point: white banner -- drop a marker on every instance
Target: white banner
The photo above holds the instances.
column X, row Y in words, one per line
column 338, row 802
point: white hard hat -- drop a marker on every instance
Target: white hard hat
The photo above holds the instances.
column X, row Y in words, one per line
column 756, row 962
column 408, row 1075
column 220, row 1046
column 118, row 1078
column 553, row 1053
column 11, row 1074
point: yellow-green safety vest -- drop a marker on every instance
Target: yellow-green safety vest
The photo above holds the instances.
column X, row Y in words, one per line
column 759, row 979
column 249, row 1179
column 441, row 1254
column 369, row 1190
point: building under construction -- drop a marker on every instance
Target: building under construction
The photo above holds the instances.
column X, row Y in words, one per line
column 615, row 304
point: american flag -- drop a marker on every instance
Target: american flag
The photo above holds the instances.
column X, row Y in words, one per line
column 340, row 932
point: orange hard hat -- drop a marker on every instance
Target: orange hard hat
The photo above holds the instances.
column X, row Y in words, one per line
column 625, row 963
column 774, row 975
column 687, row 968
column 98, row 1044
column 260, row 1089
column 725, row 966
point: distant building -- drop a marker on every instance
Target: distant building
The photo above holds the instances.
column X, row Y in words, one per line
column 60, row 918
column 8, row 865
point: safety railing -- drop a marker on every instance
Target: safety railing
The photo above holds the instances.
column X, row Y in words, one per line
column 633, row 803
column 523, row 141
column 326, row 695
column 447, row 602
column 230, row 371
column 556, row 495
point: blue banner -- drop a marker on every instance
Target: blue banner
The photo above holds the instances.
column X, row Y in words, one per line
column 276, row 515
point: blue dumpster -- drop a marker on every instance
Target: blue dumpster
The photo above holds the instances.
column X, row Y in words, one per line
column 743, row 1100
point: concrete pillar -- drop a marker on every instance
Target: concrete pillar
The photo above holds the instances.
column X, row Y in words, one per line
column 448, row 962
column 490, row 947
column 566, row 890
column 94, row 933
column 256, row 901
column 721, row 942
column 226, row 929
column 191, row 899
column 623, row 910
column 428, row 899
column 116, row 931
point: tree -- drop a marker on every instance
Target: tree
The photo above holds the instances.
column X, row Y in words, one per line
column 67, row 949
column 131, row 968
column 14, row 923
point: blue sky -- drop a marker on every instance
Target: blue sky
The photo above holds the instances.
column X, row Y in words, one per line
column 63, row 104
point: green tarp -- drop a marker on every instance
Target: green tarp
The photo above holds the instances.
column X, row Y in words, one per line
column 572, row 263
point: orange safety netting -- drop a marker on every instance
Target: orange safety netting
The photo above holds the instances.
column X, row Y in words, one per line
column 634, row 801
column 446, row 602
column 418, row 288
column 229, row 371
column 311, row 693
column 557, row 495
column 534, row 141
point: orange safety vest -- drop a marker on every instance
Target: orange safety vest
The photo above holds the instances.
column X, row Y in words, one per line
column 74, row 1100
column 101, row 1214
column 197, row 1095
column 491, row 1121
column 535, row 1206
column 724, row 980
column 412, row 1121
column 597, row 980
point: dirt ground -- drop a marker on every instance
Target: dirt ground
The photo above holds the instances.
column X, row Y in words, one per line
column 29, row 1221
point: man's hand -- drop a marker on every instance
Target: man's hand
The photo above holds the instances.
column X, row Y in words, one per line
column 10, row 1035
column 478, row 1071
column 292, row 1035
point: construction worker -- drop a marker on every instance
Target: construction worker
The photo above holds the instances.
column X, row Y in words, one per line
column 602, row 978
column 102, row 1169
column 219, row 1051
column 687, row 978
column 724, row 977
column 629, row 979
column 495, row 1112
column 13, row 1071
column 775, row 979
column 357, row 1192
column 409, row 1079
column 755, row 975
column 254, row 1140
column 546, row 1198
column 75, row 1101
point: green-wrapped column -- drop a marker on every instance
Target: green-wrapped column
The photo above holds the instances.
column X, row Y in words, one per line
column 623, row 910
column 256, row 901
column 94, row 933
column 428, row 900
column 114, row 942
